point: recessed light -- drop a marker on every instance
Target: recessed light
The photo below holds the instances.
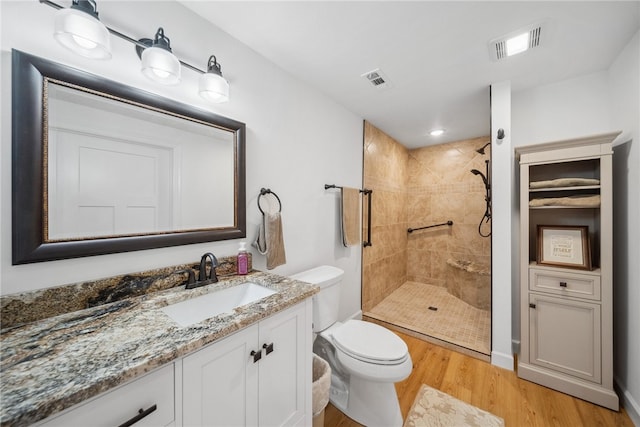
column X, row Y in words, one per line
column 436, row 132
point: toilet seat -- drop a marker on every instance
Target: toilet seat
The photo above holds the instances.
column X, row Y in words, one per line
column 370, row 343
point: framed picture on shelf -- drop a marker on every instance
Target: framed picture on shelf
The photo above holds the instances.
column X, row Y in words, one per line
column 564, row 246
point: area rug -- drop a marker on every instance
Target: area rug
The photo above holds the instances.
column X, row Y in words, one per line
column 433, row 408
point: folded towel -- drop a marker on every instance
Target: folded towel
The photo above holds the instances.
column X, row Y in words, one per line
column 564, row 182
column 350, row 206
column 270, row 241
column 576, row 201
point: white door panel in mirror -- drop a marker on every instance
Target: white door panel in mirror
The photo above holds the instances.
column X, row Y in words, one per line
column 137, row 170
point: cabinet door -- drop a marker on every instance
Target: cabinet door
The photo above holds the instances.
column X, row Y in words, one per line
column 285, row 373
column 154, row 390
column 219, row 383
column 565, row 336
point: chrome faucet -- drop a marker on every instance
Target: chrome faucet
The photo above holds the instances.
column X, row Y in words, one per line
column 202, row 273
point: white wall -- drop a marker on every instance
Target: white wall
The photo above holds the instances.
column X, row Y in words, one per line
column 624, row 84
column 297, row 140
column 597, row 103
column 501, row 194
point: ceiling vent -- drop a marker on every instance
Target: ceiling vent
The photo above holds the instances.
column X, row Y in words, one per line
column 516, row 42
column 377, row 79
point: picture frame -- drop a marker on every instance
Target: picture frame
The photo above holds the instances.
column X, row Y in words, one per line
column 564, row 246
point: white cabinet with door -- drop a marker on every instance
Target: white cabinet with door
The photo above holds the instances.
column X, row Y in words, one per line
column 146, row 401
column 566, row 289
column 260, row 376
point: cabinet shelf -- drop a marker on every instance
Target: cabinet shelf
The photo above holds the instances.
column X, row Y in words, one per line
column 574, row 188
column 563, row 207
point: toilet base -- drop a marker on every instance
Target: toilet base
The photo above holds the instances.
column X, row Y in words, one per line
column 369, row 403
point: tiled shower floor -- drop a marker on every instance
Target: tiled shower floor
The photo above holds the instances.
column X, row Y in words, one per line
column 454, row 321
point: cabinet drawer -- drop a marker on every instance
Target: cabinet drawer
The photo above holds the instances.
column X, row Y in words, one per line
column 117, row 406
column 565, row 283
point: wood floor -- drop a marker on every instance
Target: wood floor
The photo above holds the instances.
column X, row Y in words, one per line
column 499, row 391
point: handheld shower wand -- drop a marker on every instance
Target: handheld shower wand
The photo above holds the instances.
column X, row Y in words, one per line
column 487, row 198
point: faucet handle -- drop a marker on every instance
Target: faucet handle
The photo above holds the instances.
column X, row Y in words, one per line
column 191, row 278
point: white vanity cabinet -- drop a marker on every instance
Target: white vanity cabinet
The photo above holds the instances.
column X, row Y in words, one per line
column 566, row 311
column 260, row 376
column 146, row 401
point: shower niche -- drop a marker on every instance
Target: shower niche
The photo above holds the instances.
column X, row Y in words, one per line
column 566, row 312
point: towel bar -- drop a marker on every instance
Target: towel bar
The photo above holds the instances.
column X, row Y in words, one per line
column 367, row 192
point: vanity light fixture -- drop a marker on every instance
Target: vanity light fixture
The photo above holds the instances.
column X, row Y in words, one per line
column 79, row 29
column 158, row 63
column 212, row 86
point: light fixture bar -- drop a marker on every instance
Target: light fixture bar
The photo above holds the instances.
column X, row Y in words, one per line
column 124, row 36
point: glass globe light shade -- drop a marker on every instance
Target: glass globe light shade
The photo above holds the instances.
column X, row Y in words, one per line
column 160, row 65
column 214, row 88
column 82, row 33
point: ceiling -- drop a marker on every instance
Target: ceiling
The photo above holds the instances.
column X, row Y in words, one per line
column 434, row 54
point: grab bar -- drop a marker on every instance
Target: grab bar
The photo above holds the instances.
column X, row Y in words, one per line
column 367, row 193
column 411, row 230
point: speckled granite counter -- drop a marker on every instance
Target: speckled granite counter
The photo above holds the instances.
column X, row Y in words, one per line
column 54, row 363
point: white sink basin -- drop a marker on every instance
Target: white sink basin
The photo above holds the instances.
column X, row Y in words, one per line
column 197, row 309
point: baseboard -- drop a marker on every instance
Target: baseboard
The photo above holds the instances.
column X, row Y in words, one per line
column 515, row 346
column 630, row 404
column 357, row 315
column 502, row 360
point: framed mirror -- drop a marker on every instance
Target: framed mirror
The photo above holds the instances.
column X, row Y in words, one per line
column 99, row 167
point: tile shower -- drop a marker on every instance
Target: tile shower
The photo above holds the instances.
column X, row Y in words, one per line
column 433, row 283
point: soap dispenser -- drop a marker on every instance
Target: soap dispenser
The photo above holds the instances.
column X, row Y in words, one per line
column 242, row 260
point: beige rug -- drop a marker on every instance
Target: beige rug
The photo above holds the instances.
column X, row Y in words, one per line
column 433, row 408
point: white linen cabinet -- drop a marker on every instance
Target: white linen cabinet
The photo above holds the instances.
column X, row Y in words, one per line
column 566, row 313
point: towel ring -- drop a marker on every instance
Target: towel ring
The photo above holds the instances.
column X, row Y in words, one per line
column 264, row 191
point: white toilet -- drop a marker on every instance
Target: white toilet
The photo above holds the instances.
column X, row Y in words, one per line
column 365, row 358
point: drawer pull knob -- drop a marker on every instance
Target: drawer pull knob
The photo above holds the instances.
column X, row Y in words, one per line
column 532, row 305
column 268, row 348
column 257, row 355
column 141, row 414
column 563, row 284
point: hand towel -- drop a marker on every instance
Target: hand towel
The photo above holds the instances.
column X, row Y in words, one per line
column 350, row 207
column 270, row 241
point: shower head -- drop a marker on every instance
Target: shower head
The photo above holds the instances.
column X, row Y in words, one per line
column 481, row 150
column 484, row 178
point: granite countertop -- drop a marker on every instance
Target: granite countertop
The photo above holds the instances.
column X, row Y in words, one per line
column 51, row 364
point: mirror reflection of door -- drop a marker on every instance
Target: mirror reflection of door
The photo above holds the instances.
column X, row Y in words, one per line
column 106, row 187
column 116, row 169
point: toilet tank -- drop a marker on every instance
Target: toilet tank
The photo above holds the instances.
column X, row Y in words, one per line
column 326, row 302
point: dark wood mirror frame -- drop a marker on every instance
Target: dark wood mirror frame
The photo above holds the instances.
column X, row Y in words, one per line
column 29, row 75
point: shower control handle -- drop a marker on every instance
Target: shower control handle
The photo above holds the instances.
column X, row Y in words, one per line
column 563, row 284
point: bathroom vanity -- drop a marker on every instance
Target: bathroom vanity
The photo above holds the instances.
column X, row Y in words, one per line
column 131, row 363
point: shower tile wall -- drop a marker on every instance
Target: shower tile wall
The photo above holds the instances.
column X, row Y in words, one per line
column 441, row 187
column 386, row 173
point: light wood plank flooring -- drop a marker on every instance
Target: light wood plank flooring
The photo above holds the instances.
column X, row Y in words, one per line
column 501, row 392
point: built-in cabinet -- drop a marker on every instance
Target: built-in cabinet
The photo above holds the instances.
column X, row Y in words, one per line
column 566, row 320
column 258, row 376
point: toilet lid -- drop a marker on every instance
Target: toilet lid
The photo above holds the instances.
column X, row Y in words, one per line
column 370, row 342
